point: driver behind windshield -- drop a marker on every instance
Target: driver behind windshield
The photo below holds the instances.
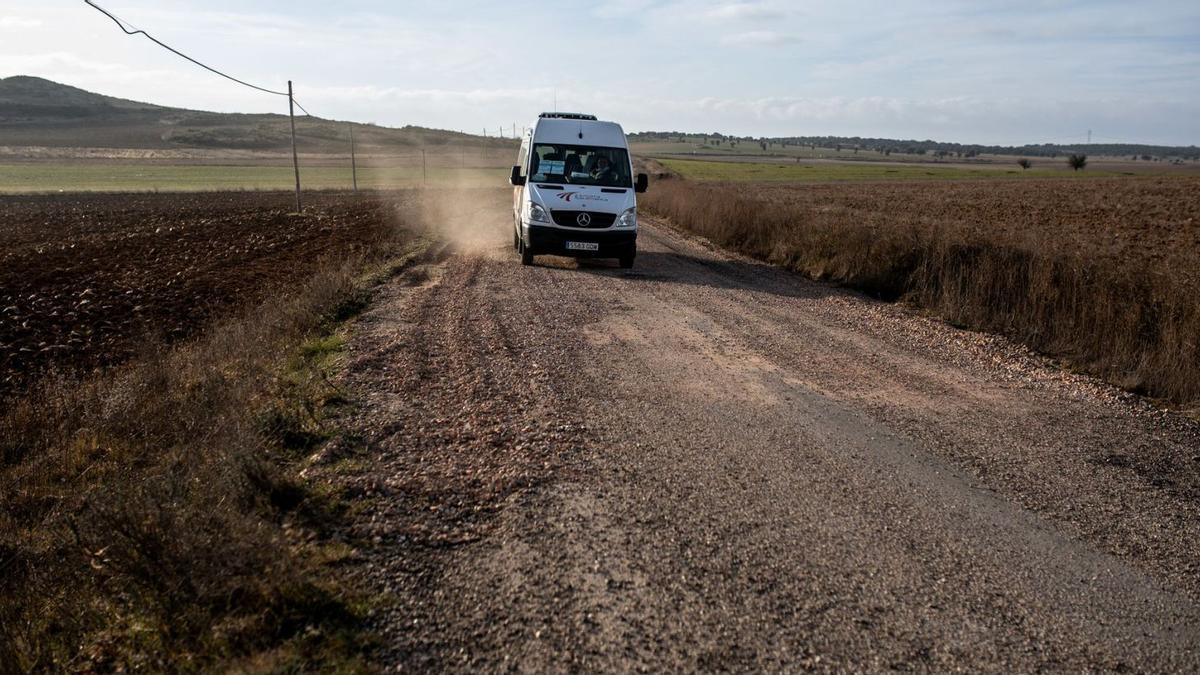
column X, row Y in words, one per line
column 603, row 171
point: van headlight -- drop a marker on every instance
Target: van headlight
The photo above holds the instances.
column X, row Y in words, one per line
column 537, row 213
column 628, row 219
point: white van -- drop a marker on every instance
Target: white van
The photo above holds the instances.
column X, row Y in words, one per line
column 573, row 190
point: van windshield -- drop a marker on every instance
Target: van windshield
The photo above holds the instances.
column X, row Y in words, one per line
column 580, row 165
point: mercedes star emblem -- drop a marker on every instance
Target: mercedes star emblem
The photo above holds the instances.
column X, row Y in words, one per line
column 583, row 219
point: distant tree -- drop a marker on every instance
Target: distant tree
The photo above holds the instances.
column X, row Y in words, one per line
column 1024, row 163
column 763, row 145
column 1077, row 162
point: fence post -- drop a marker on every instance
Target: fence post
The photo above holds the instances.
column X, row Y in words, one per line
column 353, row 160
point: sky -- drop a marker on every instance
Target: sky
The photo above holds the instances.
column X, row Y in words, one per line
column 976, row 71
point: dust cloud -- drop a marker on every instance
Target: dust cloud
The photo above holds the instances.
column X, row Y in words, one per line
column 468, row 205
column 473, row 219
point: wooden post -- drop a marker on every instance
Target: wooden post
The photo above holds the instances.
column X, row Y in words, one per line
column 424, row 172
column 295, row 157
column 353, row 160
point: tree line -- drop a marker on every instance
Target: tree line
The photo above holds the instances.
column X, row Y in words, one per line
column 888, row 146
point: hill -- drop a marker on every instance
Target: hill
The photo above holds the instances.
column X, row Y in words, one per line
column 41, row 113
column 31, row 98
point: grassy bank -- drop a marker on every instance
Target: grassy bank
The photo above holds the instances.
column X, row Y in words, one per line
column 152, row 516
column 1133, row 324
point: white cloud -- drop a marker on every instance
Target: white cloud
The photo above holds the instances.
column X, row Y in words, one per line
column 615, row 9
column 758, row 38
column 17, row 22
column 744, row 11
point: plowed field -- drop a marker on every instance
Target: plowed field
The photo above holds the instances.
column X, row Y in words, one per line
column 85, row 280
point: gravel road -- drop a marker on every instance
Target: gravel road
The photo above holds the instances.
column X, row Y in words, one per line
column 707, row 463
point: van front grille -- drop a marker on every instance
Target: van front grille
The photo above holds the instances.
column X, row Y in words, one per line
column 571, row 219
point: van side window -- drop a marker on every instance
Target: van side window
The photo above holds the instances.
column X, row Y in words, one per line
column 523, row 158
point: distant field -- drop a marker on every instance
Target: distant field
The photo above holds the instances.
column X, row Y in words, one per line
column 66, row 176
column 811, row 172
column 748, row 151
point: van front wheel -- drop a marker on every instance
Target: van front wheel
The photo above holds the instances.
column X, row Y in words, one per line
column 526, row 252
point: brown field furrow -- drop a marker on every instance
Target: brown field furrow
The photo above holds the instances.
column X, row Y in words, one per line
column 84, row 281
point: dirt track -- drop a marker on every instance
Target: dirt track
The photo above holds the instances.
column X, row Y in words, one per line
column 708, row 464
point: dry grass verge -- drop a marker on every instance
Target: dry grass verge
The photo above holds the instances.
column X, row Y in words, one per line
column 1134, row 324
column 151, row 518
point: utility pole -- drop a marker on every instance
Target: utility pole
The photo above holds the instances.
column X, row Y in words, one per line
column 353, row 160
column 1089, row 136
column 295, row 157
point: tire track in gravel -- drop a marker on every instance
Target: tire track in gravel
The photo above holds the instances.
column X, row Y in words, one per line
column 712, row 464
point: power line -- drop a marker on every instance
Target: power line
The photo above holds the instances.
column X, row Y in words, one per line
column 171, row 49
column 121, row 23
column 290, row 97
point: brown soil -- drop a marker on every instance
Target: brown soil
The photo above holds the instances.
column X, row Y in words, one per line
column 84, row 280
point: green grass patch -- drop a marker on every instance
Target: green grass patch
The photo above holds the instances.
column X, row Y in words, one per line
column 818, row 172
column 319, row 348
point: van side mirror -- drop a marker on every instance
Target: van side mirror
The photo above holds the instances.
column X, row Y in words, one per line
column 643, row 182
column 516, row 178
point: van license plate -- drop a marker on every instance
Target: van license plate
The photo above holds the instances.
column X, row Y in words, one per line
column 582, row 246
